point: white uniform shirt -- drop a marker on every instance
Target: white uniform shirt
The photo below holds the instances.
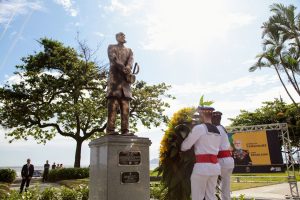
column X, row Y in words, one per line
column 204, row 143
column 228, row 162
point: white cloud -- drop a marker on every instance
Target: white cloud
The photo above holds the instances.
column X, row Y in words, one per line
column 16, row 39
column 240, row 19
column 230, row 97
column 249, row 62
column 68, row 5
column 18, row 78
column 10, row 9
column 190, row 25
column 252, row 101
column 99, row 34
column 73, row 26
column 173, row 25
column 230, row 86
column 14, row 79
column 123, row 7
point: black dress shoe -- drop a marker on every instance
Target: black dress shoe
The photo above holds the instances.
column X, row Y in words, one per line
column 127, row 133
column 112, row 133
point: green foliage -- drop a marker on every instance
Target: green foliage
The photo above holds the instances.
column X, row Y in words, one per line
column 50, row 194
column 32, row 194
column 77, row 193
column 62, row 91
column 148, row 99
column 68, row 173
column 205, row 103
column 241, row 197
column 84, row 191
column 69, row 194
column 156, row 191
column 7, row 175
column 271, row 112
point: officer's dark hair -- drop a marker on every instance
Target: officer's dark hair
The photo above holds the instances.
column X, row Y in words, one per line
column 216, row 119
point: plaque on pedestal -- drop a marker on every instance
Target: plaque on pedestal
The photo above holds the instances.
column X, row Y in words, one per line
column 129, row 158
column 130, row 177
column 119, row 168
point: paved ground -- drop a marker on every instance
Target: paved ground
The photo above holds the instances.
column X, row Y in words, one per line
column 271, row 192
column 35, row 181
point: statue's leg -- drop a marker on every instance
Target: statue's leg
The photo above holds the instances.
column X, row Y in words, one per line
column 112, row 106
column 124, row 107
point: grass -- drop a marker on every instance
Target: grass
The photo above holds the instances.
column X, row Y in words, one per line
column 252, row 180
column 265, row 177
column 241, row 186
column 153, row 173
column 257, row 177
column 267, row 174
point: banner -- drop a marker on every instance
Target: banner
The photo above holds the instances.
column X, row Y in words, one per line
column 257, row 151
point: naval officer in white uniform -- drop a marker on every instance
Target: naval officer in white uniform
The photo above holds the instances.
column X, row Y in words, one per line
column 206, row 139
column 224, row 157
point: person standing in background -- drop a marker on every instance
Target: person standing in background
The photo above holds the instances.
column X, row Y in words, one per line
column 26, row 173
column 53, row 166
column 46, row 171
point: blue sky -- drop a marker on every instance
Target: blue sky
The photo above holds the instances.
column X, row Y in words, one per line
column 196, row 46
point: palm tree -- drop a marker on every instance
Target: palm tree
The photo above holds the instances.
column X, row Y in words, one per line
column 281, row 45
column 288, row 24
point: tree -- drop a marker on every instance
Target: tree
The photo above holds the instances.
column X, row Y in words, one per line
column 281, row 46
column 62, row 91
column 271, row 112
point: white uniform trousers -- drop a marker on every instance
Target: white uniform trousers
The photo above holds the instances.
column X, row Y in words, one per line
column 203, row 186
column 225, row 183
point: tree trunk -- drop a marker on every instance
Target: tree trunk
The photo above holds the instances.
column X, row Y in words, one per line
column 288, row 75
column 78, row 153
column 277, row 71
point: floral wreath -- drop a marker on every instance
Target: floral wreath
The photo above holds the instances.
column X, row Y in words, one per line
column 175, row 167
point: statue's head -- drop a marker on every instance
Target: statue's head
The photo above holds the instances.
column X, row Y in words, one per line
column 120, row 37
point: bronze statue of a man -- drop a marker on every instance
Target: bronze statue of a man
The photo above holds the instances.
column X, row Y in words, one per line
column 118, row 90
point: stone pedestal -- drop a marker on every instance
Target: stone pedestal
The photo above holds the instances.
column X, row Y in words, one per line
column 119, row 168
